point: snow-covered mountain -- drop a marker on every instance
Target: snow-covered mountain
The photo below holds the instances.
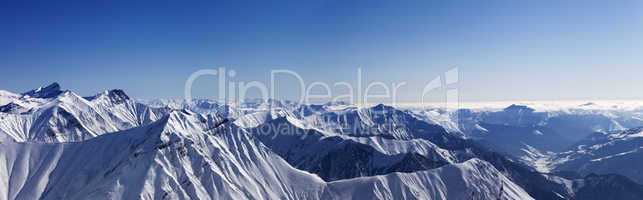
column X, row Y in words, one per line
column 344, row 155
column 619, row 152
column 381, row 121
column 186, row 155
column 517, row 129
column 55, row 144
column 223, row 108
column 611, row 186
column 516, row 140
column 49, row 114
column 341, row 142
column 335, row 156
column 7, row 97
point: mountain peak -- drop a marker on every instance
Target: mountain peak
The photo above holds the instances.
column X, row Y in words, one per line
column 11, row 107
column 518, row 108
column 114, row 96
column 50, row 91
column 381, row 107
column 186, row 121
column 118, row 94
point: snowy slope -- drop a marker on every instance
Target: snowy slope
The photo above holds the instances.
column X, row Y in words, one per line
column 335, row 156
column 55, row 144
column 619, row 152
column 223, row 108
column 176, row 157
column 203, row 106
column 340, row 156
column 7, row 97
column 516, row 128
column 381, row 121
column 63, row 116
column 468, row 180
column 573, row 124
column 190, row 156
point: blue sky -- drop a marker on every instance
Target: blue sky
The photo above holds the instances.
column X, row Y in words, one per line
column 505, row 50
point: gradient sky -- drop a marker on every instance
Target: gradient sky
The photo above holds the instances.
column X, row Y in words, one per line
column 505, row 50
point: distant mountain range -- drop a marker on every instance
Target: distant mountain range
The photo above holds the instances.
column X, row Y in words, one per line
column 56, row 144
